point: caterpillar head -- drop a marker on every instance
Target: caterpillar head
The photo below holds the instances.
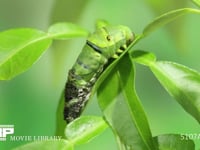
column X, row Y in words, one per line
column 111, row 38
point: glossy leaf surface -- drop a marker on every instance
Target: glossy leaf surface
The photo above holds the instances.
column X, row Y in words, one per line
column 122, row 108
column 84, row 129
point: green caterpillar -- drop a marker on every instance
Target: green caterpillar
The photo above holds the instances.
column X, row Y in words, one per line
column 106, row 43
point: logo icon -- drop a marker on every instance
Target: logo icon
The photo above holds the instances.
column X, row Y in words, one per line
column 6, row 130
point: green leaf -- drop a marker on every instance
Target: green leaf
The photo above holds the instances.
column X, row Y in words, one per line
column 19, row 49
column 122, row 109
column 197, row 2
column 60, row 122
column 66, row 31
column 174, row 142
column 182, row 83
column 47, row 145
column 143, row 57
column 84, row 129
column 166, row 18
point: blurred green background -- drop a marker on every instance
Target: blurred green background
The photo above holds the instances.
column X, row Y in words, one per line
column 30, row 100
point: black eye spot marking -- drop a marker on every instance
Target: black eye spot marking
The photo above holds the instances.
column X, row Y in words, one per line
column 108, row 38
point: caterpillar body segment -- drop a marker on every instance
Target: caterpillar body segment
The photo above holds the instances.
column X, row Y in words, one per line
column 106, row 43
